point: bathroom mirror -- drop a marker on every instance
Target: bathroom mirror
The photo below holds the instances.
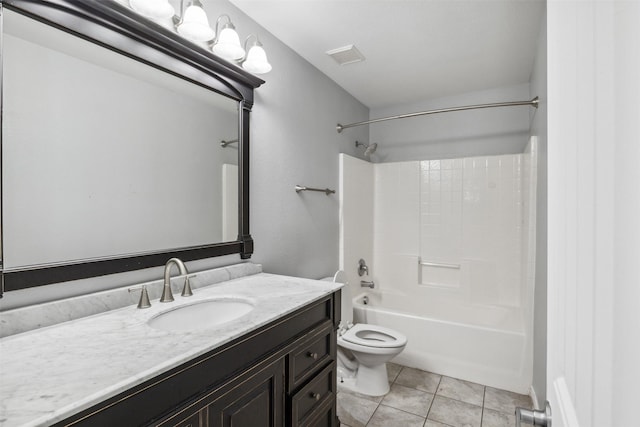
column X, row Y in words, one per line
column 122, row 145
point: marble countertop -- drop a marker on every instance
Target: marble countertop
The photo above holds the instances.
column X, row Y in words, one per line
column 49, row 374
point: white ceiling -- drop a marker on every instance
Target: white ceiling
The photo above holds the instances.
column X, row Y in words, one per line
column 414, row 49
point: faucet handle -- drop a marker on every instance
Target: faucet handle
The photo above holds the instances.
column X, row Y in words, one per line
column 186, row 290
column 144, row 296
column 362, row 267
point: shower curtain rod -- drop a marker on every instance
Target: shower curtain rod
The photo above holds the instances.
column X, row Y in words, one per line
column 534, row 103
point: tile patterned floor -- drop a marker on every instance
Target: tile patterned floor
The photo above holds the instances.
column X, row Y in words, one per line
column 423, row 399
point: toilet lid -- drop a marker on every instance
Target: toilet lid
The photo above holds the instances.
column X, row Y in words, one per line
column 340, row 277
column 374, row 336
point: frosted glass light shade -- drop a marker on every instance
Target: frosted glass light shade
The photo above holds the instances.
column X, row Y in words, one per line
column 256, row 61
column 228, row 45
column 154, row 9
column 195, row 25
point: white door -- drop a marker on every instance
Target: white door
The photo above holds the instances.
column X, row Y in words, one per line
column 593, row 322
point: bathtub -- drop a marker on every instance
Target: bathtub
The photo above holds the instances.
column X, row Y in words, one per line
column 482, row 344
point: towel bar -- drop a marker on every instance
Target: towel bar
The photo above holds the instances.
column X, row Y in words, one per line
column 326, row 191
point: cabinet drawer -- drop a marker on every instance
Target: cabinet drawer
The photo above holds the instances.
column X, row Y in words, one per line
column 311, row 355
column 319, row 392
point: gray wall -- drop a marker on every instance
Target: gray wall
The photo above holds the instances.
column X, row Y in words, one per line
column 539, row 129
column 459, row 134
column 293, row 141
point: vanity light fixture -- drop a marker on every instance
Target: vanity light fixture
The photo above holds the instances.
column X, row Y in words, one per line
column 227, row 43
column 194, row 24
column 154, row 9
column 256, row 60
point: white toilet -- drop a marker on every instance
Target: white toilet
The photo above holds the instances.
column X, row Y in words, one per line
column 364, row 350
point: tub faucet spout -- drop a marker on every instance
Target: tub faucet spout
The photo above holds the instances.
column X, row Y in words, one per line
column 367, row 284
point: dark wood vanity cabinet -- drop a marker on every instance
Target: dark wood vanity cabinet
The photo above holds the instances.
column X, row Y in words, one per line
column 283, row 374
column 261, row 396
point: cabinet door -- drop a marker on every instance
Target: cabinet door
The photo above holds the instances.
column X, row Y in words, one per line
column 191, row 416
column 325, row 416
column 194, row 420
column 252, row 399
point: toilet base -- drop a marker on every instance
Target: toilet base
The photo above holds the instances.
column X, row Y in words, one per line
column 368, row 380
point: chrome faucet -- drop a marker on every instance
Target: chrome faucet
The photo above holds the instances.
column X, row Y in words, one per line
column 367, row 284
column 167, row 295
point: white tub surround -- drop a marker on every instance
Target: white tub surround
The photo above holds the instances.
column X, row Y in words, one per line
column 452, row 249
column 51, row 373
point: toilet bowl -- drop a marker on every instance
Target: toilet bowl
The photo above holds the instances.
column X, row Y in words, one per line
column 364, row 350
column 372, row 347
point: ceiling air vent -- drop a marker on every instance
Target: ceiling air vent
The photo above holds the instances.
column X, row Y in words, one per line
column 346, row 55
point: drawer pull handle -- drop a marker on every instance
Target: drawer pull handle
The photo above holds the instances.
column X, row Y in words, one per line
column 315, row 396
column 314, row 356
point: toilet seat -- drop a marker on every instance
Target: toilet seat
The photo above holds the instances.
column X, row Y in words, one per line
column 374, row 336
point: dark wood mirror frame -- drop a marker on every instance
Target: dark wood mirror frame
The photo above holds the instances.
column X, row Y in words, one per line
column 114, row 26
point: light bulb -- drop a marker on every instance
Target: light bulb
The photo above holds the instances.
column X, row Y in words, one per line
column 154, row 9
column 228, row 45
column 256, row 61
column 195, row 25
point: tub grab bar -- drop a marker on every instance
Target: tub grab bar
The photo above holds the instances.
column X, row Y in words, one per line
column 439, row 264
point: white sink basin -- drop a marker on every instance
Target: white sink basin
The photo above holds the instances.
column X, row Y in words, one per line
column 201, row 315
